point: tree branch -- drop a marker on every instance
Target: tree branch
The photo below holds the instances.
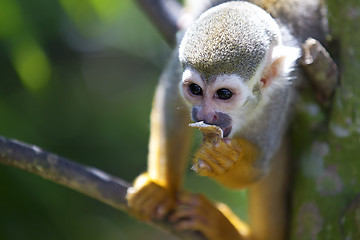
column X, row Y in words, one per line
column 165, row 15
column 321, row 70
column 87, row 180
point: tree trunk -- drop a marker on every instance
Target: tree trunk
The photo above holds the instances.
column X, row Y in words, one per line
column 326, row 190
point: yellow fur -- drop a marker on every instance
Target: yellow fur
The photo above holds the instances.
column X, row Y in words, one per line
column 145, row 194
column 242, row 227
column 167, row 156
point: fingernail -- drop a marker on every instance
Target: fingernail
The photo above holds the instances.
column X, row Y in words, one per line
column 130, row 190
column 194, row 168
column 160, row 212
column 203, row 165
column 227, row 141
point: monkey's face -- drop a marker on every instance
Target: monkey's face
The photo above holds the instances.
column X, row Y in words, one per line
column 216, row 101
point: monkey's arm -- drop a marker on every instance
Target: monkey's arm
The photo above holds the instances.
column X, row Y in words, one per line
column 153, row 192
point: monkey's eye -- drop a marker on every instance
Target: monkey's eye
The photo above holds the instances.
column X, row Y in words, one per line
column 224, row 94
column 195, row 89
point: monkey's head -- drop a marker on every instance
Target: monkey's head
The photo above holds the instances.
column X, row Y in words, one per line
column 233, row 60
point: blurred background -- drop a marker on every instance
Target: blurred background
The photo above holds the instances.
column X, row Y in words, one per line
column 77, row 79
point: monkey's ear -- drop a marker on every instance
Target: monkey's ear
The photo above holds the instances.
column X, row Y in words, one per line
column 278, row 68
column 272, row 72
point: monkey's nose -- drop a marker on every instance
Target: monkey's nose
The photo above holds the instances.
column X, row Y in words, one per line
column 199, row 114
column 211, row 118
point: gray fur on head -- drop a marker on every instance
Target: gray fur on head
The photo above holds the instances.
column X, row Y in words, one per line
column 231, row 38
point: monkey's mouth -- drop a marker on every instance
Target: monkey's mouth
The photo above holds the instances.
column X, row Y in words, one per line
column 226, row 131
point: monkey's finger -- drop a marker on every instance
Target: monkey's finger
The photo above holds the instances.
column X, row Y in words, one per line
column 138, row 192
column 150, row 206
column 158, row 202
column 191, row 199
column 194, row 208
column 196, row 204
column 163, row 208
column 216, row 159
column 150, row 202
column 226, row 152
column 213, row 163
column 211, row 227
column 193, row 224
column 184, row 212
column 137, row 197
column 137, row 201
column 202, row 168
column 225, row 159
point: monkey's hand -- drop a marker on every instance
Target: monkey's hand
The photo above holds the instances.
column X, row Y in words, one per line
column 195, row 212
column 148, row 200
column 228, row 161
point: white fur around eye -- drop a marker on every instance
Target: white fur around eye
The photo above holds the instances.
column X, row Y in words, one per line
column 192, row 76
column 235, row 84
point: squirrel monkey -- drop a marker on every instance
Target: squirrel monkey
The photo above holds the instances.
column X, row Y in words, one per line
column 232, row 68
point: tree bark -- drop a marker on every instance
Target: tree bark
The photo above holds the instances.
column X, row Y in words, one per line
column 165, row 15
column 87, row 180
column 326, row 191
